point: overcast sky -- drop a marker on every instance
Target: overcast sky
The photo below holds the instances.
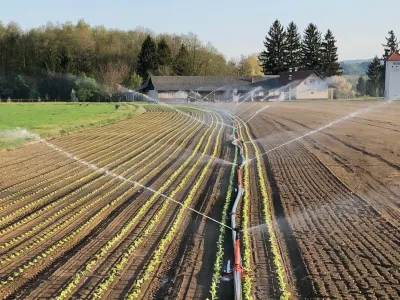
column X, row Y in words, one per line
column 234, row 27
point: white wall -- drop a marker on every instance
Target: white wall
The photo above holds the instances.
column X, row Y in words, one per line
column 313, row 87
column 392, row 80
column 173, row 95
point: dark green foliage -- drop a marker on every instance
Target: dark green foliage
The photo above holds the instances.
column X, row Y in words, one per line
column 148, row 58
column 273, row 57
column 164, row 53
column 108, row 56
column 329, row 64
column 374, row 73
column 361, row 86
column 181, row 64
column 293, row 47
column 133, row 81
column 311, row 48
column 391, row 44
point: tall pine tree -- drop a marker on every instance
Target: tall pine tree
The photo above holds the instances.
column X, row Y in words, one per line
column 329, row 64
column 361, row 86
column 164, row 53
column 293, row 47
column 391, row 44
column 273, row 57
column 148, row 58
column 374, row 77
column 181, row 64
column 311, row 48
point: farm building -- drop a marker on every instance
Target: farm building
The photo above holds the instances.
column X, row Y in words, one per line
column 392, row 76
column 289, row 85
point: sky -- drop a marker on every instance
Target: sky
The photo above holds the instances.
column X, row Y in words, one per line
column 233, row 27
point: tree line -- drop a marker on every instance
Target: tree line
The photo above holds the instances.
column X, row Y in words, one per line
column 285, row 48
column 50, row 61
column 374, row 86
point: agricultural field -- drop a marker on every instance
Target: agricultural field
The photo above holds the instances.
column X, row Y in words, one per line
column 89, row 214
column 334, row 199
column 53, row 119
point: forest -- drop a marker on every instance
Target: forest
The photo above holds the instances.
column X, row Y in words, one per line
column 57, row 60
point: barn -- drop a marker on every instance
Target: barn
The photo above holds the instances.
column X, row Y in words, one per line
column 289, row 85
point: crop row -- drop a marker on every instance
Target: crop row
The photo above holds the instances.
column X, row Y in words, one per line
column 87, row 151
column 118, row 150
column 87, row 196
column 160, row 215
column 40, row 200
column 220, row 243
column 246, row 257
column 84, row 145
column 156, row 258
column 104, row 250
column 277, row 259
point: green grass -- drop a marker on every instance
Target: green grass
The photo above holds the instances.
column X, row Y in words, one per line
column 52, row 119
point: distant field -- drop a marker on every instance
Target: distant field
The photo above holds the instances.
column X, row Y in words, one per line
column 50, row 119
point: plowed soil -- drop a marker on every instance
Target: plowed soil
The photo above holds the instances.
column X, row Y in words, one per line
column 335, row 196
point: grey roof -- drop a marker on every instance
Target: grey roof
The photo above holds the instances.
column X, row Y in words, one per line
column 297, row 76
column 210, row 83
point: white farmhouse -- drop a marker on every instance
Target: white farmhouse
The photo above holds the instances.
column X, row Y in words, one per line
column 392, row 76
column 291, row 85
column 306, row 84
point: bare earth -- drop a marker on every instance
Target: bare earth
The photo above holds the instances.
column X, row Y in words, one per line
column 336, row 196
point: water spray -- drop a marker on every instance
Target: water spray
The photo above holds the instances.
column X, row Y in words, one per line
column 119, row 177
column 349, row 116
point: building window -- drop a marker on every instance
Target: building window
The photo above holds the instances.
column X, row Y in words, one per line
column 312, row 93
column 312, row 81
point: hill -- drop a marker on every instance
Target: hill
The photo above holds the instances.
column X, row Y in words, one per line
column 355, row 67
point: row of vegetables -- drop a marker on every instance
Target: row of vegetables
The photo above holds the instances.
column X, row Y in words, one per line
column 102, row 252
column 157, row 255
column 89, row 195
column 110, row 154
column 48, row 251
column 277, row 258
column 87, row 180
column 53, row 158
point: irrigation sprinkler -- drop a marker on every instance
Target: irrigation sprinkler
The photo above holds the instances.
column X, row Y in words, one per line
column 349, row 116
column 237, row 271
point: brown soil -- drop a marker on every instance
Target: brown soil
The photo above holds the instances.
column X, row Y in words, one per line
column 335, row 195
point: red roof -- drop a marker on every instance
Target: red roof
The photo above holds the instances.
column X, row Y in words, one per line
column 394, row 57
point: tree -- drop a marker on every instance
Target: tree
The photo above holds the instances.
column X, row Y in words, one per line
column 391, row 44
column 181, row 64
column 361, row 86
column 273, row 57
column 342, row 88
column 311, row 48
column 330, row 66
column 148, row 58
column 164, row 53
column 293, row 46
column 87, row 89
column 112, row 75
column 248, row 65
column 374, row 77
column 133, row 81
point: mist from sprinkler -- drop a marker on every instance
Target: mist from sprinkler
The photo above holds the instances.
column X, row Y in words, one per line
column 349, row 116
column 112, row 174
column 254, row 115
